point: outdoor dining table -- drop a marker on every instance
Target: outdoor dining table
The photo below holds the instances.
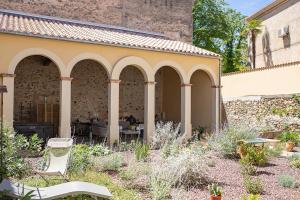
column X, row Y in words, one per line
column 259, row 141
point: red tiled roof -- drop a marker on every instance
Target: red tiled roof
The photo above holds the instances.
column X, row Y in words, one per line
column 57, row 28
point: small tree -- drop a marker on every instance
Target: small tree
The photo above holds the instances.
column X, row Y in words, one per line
column 252, row 30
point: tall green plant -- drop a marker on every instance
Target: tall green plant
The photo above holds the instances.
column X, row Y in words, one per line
column 253, row 28
column 141, row 151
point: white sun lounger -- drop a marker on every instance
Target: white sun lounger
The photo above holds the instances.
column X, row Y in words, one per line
column 18, row 190
column 57, row 164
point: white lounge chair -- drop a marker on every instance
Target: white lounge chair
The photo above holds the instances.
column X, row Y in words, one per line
column 18, row 190
column 59, row 155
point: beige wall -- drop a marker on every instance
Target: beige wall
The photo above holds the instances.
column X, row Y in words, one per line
column 273, row 50
column 281, row 80
column 202, row 100
column 65, row 54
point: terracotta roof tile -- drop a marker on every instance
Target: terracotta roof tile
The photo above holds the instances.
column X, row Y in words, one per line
column 50, row 27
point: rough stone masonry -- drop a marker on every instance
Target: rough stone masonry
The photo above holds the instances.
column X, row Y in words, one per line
column 265, row 113
column 170, row 17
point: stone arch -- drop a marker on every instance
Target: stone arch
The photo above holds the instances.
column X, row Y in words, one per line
column 138, row 62
column 175, row 66
column 89, row 56
column 39, row 52
column 206, row 69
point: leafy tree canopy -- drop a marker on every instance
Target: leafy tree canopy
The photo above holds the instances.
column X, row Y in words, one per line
column 221, row 29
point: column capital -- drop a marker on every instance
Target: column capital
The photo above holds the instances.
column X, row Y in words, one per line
column 7, row 75
column 115, row 81
column 150, row 83
column 186, row 85
column 216, row 86
column 66, row 78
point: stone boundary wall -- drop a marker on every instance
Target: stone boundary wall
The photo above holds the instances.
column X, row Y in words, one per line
column 265, row 113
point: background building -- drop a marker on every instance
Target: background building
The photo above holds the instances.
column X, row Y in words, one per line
column 279, row 41
column 170, row 17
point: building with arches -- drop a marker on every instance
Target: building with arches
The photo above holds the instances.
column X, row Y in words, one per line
column 86, row 70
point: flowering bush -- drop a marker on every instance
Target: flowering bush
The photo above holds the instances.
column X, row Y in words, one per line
column 166, row 134
column 186, row 169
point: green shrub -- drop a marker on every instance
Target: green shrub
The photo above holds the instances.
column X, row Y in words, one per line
column 294, row 162
column 170, row 150
column 289, row 136
column 13, row 145
column 80, row 159
column 135, row 170
column 141, row 152
column 100, row 150
column 161, row 182
column 226, row 141
column 112, row 162
column 251, row 197
column 274, row 151
column 254, row 156
column 35, row 145
column 253, row 185
column 287, row 181
column 247, row 168
column 127, row 175
column 124, row 146
column 280, row 111
column 21, row 142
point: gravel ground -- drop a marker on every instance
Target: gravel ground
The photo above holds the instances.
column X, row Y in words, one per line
column 227, row 174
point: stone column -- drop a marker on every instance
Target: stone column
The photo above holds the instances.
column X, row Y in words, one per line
column 8, row 99
column 216, row 108
column 65, row 108
column 186, row 124
column 149, row 111
column 113, row 112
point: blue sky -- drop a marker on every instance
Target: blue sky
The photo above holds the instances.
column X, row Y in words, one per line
column 248, row 7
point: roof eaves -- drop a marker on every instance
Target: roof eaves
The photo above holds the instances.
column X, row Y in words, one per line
column 83, row 23
column 208, row 55
column 265, row 10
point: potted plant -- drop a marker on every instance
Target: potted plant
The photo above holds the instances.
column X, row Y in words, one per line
column 290, row 138
column 215, row 192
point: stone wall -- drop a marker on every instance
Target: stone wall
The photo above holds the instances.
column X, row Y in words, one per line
column 272, row 113
column 132, row 93
column 36, row 78
column 89, row 90
column 171, row 17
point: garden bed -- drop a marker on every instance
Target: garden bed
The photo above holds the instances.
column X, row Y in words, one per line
column 176, row 169
column 225, row 172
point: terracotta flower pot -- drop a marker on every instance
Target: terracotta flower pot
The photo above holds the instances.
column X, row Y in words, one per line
column 241, row 151
column 289, row 146
column 215, row 197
